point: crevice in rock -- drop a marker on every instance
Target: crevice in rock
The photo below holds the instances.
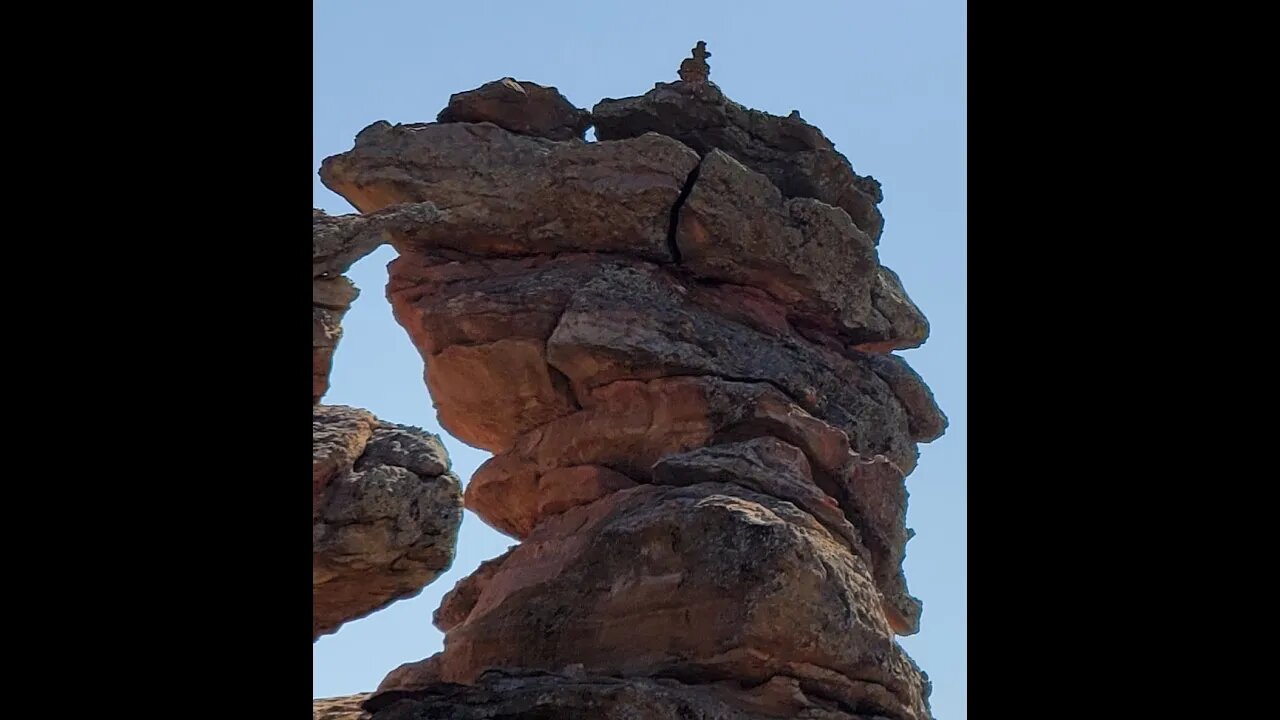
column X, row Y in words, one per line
column 672, row 246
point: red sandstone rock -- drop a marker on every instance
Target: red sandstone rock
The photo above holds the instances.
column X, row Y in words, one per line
column 638, row 322
column 736, row 227
column 507, row 194
column 794, row 155
column 704, row 582
column 532, row 110
column 442, row 302
column 765, row 465
column 564, row 488
column 456, row 604
column 682, row 365
column 385, row 514
column 488, row 394
column 628, row 426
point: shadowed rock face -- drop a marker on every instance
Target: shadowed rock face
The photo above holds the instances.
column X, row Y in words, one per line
column 579, row 696
column 722, row 582
column 385, row 514
column 677, row 344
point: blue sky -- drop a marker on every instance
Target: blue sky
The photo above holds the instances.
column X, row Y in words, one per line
column 885, row 81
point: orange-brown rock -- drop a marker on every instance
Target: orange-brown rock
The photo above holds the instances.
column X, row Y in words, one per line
column 677, row 342
column 442, row 302
column 523, row 107
column 505, row 194
column 639, row 322
column 718, row 583
column 628, row 426
column 385, row 514
column 564, row 488
column 488, row 394
column 456, row 604
column 737, row 227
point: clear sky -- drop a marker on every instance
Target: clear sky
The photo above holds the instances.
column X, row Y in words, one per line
column 886, row 81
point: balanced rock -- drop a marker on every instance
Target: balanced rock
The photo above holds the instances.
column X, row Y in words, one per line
column 678, row 343
column 385, row 514
column 525, row 108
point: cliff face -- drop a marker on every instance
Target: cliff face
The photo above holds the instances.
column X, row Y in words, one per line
column 677, row 342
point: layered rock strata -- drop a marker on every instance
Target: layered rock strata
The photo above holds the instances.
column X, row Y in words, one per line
column 677, row 343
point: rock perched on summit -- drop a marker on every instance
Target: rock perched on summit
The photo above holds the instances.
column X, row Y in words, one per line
column 793, row 154
column 522, row 107
column 720, row 582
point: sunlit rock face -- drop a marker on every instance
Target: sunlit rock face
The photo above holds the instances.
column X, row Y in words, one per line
column 677, row 342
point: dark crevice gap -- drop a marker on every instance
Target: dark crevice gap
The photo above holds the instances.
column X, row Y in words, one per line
column 672, row 246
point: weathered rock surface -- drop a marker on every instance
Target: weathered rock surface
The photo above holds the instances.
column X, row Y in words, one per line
column 926, row 421
column 737, row 227
column 765, row 465
column 456, row 604
column 526, row 329
column 628, row 426
column 385, row 514
column 348, row 707
column 336, row 244
column 508, row 194
column 637, row 322
column 338, row 241
column 488, row 394
column 719, row 583
column 577, row 696
column 531, row 110
column 794, row 155
column 677, row 342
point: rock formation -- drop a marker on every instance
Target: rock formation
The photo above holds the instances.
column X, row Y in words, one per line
column 336, row 244
column 385, row 510
column 347, row 707
column 677, row 343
